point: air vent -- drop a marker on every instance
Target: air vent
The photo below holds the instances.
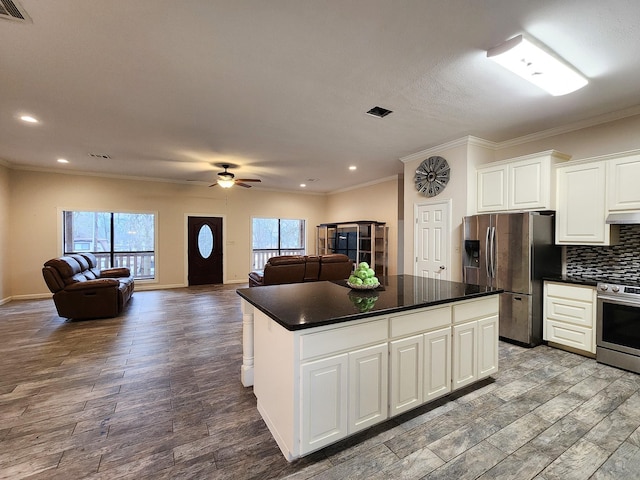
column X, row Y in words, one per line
column 12, row 10
column 100, row 155
column 379, row 112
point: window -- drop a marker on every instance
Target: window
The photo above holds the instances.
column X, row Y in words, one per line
column 276, row 236
column 116, row 239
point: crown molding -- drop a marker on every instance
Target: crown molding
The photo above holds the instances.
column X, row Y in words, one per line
column 469, row 140
column 572, row 127
column 363, row 185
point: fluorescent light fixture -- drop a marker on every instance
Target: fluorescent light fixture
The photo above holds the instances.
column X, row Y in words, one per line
column 226, row 183
column 29, row 119
column 538, row 66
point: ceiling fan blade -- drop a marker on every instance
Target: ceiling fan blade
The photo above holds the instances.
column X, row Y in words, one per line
column 243, row 184
column 247, row 180
column 213, row 185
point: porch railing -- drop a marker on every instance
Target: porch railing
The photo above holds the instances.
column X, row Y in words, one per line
column 141, row 264
column 260, row 257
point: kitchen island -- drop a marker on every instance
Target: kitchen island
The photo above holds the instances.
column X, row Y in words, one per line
column 326, row 361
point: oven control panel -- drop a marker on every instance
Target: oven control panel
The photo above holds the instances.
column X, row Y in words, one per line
column 620, row 289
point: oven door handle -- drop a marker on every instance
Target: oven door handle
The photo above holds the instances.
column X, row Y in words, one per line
column 617, row 300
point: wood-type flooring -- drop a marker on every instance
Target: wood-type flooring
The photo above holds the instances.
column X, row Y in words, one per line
column 156, row 394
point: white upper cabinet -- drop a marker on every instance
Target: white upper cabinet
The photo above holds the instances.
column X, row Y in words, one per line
column 581, row 207
column 624, row 183
column 523, row 183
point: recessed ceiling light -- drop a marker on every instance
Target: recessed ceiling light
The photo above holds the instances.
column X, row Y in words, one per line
column 303, row 185
column 29, row 119
column 63, row 160
column 353, row 167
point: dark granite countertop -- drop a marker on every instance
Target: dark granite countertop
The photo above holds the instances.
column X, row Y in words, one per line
column 575, row 280
column 306, row 305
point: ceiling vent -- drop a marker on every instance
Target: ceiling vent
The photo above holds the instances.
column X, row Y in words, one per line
column 379, row 112
column 12, row 10
column 98, row 155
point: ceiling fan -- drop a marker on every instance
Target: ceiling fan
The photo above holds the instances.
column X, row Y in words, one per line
column 228, row 180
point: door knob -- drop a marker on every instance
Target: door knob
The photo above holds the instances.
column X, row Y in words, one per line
column 442, row 267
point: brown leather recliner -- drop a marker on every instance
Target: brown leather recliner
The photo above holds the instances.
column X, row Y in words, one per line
column 82, row 291
column 335, row 266
column 298, row 268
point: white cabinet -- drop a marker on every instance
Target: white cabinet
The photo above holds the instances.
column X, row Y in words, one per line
column 570, row 315
column 465, row 354
column 623, row 179
column 493, row 188
column 437, row 364
column 581, row 208
column 342, row 394
column 406, row 374
column 523, row 183
column 368, row 374
column 319, row 385
column 324, row 392
column 475, row 341
column 420, row 364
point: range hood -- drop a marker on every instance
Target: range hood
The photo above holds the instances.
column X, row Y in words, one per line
column 627, row 218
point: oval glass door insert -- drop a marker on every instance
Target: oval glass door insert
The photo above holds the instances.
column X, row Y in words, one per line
column 205, row 241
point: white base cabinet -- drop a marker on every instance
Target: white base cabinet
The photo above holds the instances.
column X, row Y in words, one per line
column 475, row 342
column 319, row 385
column 570, row 315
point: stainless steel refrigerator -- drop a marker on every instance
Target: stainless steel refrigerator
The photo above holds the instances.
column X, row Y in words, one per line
column 513, row 251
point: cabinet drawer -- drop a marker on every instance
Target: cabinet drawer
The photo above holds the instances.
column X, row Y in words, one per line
column 573, row 292
column 570, row 335
column 475, row 309
column 343, row 338
column 575, row 312
column 412, row 323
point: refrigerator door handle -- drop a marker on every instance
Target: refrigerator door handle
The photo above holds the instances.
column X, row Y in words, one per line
column 487, row 259
column 493, row 252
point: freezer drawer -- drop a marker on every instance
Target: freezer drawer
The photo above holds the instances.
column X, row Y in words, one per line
column 516, row 319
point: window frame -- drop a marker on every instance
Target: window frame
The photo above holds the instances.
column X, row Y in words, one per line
column 259, row 256
column 112, row 252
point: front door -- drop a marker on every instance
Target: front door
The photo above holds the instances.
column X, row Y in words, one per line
column 432, row 240
column 204, row 250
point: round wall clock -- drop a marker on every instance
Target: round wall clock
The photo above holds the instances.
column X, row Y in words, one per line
column 432, row 176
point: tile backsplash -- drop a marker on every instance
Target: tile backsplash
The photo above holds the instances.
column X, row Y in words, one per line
column 618, row 263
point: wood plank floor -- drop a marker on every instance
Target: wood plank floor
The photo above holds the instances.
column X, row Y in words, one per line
column 156, row 394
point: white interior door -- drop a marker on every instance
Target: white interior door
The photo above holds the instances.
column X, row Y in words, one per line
column 432, row 245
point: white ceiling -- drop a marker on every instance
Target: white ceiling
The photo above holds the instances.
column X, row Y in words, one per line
column 279, row 87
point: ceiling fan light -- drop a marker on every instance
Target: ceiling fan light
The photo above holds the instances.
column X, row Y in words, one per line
column 226, row 182
column 536, row 65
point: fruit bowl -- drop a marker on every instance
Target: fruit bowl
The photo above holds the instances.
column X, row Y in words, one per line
column 363, row 287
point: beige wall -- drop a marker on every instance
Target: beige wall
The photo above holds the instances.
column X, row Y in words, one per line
column 38, row 198
column 613, row 137
column 5, row 291
column 456, row 191
column 377, row 202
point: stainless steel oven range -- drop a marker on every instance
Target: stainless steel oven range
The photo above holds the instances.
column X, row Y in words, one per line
column 618, row 326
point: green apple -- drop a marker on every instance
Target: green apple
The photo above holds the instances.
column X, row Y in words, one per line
column 371, row 272
column 353, row 278
column 362, row 274
column 363, row 265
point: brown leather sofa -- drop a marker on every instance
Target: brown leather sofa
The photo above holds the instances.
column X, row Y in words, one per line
column 298, row 268
column 82, row 291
